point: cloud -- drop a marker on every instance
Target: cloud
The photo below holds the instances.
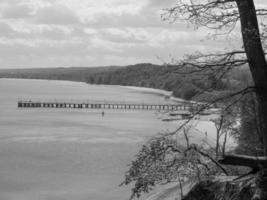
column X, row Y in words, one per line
column 161, row 4
column 57, row 14
column 6, row 30
column 123, row 35
column 147, row 16
column 152, row 36
column 17, row 11
column 52, row 33
column 125, row 20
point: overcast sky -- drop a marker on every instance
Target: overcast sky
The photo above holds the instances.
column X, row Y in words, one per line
column 63, row 33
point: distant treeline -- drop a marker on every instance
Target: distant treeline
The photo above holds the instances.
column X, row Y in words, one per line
column 69, row 73
column 141, row 75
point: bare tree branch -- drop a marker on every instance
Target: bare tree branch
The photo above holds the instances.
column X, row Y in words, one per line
column 214, row 14
column 209, row 63
column 208, row 105
column 194, row 147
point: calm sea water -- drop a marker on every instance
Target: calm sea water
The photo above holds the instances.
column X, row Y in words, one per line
column 66, row 154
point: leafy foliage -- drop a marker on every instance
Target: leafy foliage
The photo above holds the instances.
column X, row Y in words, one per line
column 163, row 160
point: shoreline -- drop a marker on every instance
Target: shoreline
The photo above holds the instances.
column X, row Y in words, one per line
column 170, row 191
column 165, row 93
column 168, row 94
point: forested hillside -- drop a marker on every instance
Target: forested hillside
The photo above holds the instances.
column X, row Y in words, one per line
column 142, row 75
column 70, row 73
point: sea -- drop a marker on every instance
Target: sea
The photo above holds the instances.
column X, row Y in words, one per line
column 74, row 154
column 71, row 154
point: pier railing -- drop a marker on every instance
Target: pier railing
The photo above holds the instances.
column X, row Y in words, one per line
column 106, row 105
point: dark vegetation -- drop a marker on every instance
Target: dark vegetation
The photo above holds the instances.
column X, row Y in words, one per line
column 142, row 75
column 71, row 73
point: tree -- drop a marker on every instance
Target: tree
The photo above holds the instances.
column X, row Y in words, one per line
column 222, row 15
column 164, row 160
column 224, row 125
column 250, row 141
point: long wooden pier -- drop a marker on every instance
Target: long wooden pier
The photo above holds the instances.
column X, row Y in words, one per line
column 122, row 106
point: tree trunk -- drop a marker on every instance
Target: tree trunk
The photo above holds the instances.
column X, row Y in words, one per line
column 247, row 161
column 223, row 188
column 224, row 143
column 256, row 58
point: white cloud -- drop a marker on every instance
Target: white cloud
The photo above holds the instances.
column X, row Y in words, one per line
column 17, row 11
column 50, row 33
column 6, row 30
column 161, row 4
column 56, row 14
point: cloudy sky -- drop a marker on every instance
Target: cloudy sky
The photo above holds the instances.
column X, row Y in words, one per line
column 63, row 33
